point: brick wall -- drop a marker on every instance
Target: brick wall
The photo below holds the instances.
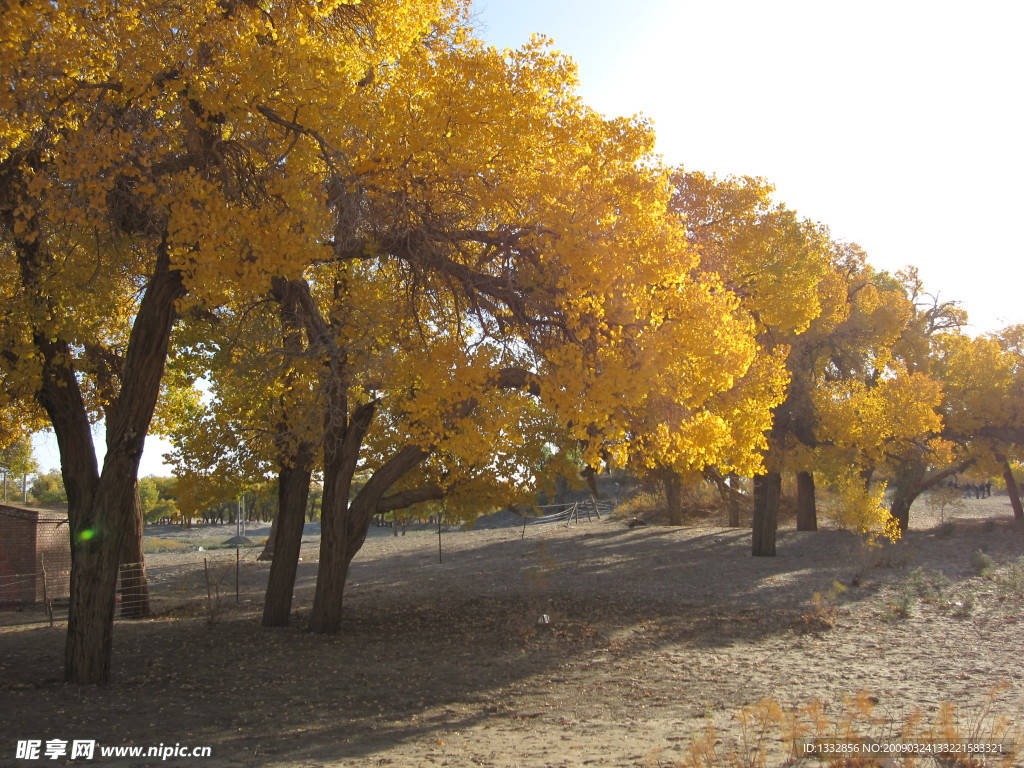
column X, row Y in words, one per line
column 32, row 540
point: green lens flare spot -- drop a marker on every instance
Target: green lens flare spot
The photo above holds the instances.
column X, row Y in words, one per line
column 86, row 535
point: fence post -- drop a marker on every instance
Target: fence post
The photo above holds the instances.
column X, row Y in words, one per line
column 46, row 594
column 209, row 597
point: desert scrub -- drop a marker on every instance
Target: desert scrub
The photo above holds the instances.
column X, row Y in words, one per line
column 902, row 606
column 928, row 586
column 983, row 565
column 945, row 503
column 822, row 610
column 152, row 545
column 961, row 604
column 1010, row 581
column 770, row 735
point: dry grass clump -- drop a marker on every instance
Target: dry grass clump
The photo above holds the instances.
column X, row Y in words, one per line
column 861, row 734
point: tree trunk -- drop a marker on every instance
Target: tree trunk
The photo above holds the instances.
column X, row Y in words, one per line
column 268, row 549
column 915, row 480
column 294, row 473
column 101, row 509
column 341, row 533
column 1011, row 489
column 767, row 493
column 673, row 496
column 292, row 494
column 902, row 500
column 806, row 503
column 733, row 501
column 344, row 526
column 134, row 587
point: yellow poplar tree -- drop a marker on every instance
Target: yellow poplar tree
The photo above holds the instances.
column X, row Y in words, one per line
column 142, row 160
column 780, row 270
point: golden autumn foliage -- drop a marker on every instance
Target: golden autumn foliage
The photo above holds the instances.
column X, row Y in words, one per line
column 392, row 249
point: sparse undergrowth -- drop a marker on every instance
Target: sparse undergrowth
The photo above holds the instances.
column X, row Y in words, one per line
column 860, row 734
column 932, row 587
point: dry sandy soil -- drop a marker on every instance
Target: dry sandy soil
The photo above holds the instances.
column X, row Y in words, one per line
column 652, row 634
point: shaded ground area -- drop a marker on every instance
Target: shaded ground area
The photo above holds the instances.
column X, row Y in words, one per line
column 584, row 645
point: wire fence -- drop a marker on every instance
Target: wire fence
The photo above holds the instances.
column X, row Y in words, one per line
column 197, row 583
column 203, row 584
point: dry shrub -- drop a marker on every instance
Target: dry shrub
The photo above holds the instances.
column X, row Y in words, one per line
column 700, row 500
column 858, row 735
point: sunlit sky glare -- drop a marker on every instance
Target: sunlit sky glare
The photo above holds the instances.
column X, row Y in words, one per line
column 897, row 123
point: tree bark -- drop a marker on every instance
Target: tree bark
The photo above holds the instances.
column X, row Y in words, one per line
column 134, row 587
column 1011, row 489
column 913, row 481
column 101, row 508
column 899, row 508
column 268, row 549
column 294, row 472
column 673, row 496
column 341, row 532
column 344, row 528
column 292, row 494
column 767, row 493
column 733, row 502
column 806, row 502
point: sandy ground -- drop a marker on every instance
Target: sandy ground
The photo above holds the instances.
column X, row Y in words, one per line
column 574, row 646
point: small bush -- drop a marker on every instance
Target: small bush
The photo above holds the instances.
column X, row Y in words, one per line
column 983, row 564
column 960, row 605
column 945, row 503
column 1010, row 581
column 902, row 607
column 929, row 586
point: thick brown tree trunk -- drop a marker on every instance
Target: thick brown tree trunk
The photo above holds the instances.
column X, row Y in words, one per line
column 914, row 480
column 673, row 496
column 1011, row 489
column 344, row 526
column 292, row 494
column 341, row 533
column 134, row 587
column 900, row 506
column 767, row 494
column 806, row 502
column 101, row 509
column 294, row 472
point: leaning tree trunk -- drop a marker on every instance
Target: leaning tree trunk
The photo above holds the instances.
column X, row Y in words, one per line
column 344, row 527
column 286, row 536
column 134, row 587
column 1011, row 489
column 767, row 494
column 294, row 473
column 900, row 506
column 806, row 502
column 101, row 510
column 914, row 481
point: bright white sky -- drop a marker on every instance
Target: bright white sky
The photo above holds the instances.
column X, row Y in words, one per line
column 898, row 123
column 895, row 122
